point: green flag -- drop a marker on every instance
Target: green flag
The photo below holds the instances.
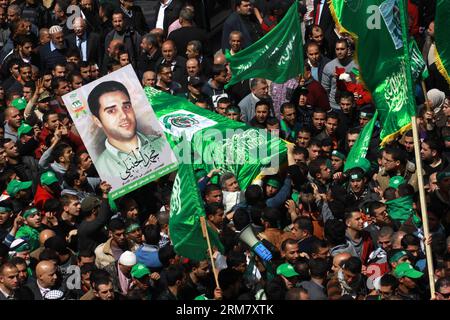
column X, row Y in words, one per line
column 278, row 56
column 186, row 208
column 380, row 30
column 419, row 70
column 441, row 38
column 214, row 140
column 359, row 149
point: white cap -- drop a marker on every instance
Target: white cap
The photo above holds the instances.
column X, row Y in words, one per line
column 55, row 29
column 128, row 259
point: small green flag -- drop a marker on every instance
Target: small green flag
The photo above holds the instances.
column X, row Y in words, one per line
column 441, row 36
column 419, row 70
column 380, row 30
column 186, row 208
column 359, row 149
column 278, row 56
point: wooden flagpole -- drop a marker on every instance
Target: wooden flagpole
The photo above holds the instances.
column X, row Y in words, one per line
column 206, row 235
column 423, row 204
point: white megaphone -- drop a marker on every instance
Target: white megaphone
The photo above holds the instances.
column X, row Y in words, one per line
column 248, row 237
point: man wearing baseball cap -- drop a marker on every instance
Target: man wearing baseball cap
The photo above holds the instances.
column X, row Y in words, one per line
column 407, row 277
column 140, row 275
column 48, row 188
column 31, row 229
column 20, row 192
column 287, row 272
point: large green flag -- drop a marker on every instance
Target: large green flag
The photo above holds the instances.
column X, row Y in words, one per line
column 214, row 140
column 380, row 30
column 359, row 149
column 441, row 38
column 278, row 56
column 419, row 70
column 186, row 208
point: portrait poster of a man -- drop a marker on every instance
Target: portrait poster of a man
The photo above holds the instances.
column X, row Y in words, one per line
column 120, row 131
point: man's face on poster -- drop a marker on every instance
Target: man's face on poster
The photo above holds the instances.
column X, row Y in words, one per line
column 116, row 116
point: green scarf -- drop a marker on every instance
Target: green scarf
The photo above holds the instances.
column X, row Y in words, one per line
column 401, row 209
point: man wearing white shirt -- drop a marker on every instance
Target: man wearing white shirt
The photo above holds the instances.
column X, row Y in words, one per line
column 166, row 12
column 46, row 279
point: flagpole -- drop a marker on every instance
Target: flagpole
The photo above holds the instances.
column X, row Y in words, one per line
column 423, row 206
column 206, row 235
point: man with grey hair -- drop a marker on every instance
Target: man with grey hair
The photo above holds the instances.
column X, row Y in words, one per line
column 188, row 31
column 53, row 52
column 235, row 42
column 150, row 53
column 259, row 91
column 194, row 50
column 88, row 44
column 232, row 194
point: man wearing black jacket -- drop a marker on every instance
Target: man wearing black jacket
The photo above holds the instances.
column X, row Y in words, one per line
column 133, row 16
column 95, row 214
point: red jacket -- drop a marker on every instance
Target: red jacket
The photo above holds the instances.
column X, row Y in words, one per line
column 317, row 96
column 41, row 197
column 73, row 139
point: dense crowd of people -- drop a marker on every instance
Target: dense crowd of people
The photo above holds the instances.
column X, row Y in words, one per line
column 332, row 234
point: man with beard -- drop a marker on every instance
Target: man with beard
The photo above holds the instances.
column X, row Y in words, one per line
column 55, row 51
column 357, row 238
column 290, row 251
column 329, row 78
column 289, row 125
column 431, row 155
column 117, row 244
column 49, row 188
column 13, row 119
column 25, row 167
column 199, row 280
column 408, row 144
column 150, row 53
column 165, row 80
column 394, row 163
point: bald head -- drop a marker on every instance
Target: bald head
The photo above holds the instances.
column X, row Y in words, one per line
column 13, row 117
column 338, row 259
column 46, row 234
column 397, row 238
column 169, row 50
column 79, row 26
column 220, row 58
column 46, row 273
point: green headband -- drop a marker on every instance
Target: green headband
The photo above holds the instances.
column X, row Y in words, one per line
column 30, row 212
column 5, row 209
column 338, row 154
column 233, row 109
column 132, row 227
column 274, row 183
column 356, row 176
column 397, row 256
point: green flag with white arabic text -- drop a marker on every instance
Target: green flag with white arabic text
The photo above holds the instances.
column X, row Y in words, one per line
column 186, row 208
column 278, row 56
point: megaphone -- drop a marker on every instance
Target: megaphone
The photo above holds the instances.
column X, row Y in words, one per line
column 248, row 237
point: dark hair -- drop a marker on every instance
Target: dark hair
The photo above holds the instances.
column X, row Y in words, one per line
column 152, row 234
column 301, row 150
column 108, row 9
column 317, row 244
column 271, row 215
column 390, row 193
column 409, row 240
column 17, row 260
column 56, row 81
column 211, row 209
column 372, row 206
column 286, row 105
column 389, row 280
column 346, row 95
column 304, row 223
column 334, row 232
column 116, row 224
column 434, row 144
column 228, row 277
column 262, row 102
column 58, row 151
column 98, row 277
column 442, row 282
column 314, row 166
column 397, row 154
column 286, row 242
column 318, row 268
column 235, row 258
column 212, row 187
column 88, row 267
column 47, row 114
column 254, row 194
column 405, row 189
column 48, row 254
column 101, row 89
column 315, row 142
column 271, row 121
column 165, row 254
column 87, row 253
column 174, row 273
column 353, row 264
column 217, row 69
